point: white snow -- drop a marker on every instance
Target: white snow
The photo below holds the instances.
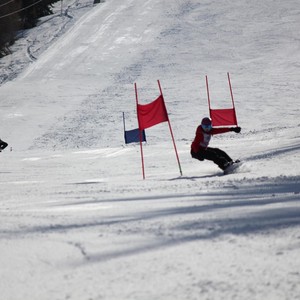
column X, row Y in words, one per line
column 77, row 219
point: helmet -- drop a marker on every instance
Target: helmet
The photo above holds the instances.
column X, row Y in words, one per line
column 206, row 124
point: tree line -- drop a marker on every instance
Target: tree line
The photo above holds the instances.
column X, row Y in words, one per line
column 17, row 15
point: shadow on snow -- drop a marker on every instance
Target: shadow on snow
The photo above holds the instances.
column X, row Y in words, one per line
column 259, row 218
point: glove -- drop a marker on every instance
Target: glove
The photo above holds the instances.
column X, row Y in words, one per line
column 236, row 129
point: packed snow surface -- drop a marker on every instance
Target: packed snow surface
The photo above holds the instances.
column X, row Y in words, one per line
column 77, row 219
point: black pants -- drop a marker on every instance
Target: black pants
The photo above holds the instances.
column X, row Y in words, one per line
column 219, row 157
column 3, row 145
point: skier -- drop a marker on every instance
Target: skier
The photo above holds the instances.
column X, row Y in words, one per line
column 200, row 149
column 3, row 145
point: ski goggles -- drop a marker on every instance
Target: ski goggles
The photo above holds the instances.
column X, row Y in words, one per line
column 206, row 127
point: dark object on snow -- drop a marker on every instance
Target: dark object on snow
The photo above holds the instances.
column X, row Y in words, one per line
column 3, row 145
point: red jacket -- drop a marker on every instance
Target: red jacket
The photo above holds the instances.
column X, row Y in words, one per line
column 202, row 138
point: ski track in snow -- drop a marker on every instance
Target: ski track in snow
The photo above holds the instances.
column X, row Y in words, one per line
column 77, row 219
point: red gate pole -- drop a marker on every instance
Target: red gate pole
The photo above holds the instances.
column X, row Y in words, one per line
column 231, row 93
column 140, row 131
column 207, row 91
column 230, row 89
column 171, row 131
column 208, row 97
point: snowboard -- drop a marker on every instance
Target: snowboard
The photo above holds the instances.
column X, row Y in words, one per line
column 233, row 168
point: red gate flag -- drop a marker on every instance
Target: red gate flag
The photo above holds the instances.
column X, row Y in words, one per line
column 225, row 116
column 152, row 113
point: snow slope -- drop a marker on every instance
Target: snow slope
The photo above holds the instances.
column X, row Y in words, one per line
column 77, row 219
